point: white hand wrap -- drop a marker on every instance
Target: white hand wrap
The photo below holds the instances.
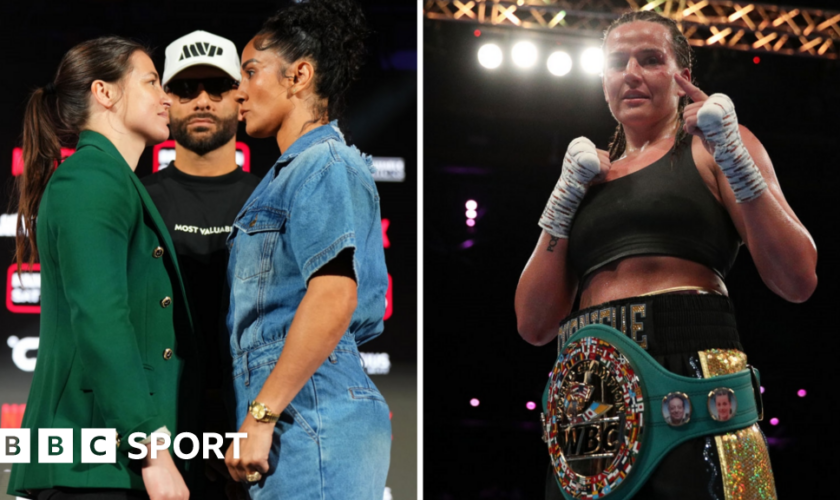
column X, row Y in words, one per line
column 718, row 122
column 580, row 165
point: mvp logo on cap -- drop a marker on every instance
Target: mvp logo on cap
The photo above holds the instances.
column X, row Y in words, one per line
column 201, row 48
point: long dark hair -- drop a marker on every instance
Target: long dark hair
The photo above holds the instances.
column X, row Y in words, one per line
column 332, row 34
column 685, row 59
column 54, row 115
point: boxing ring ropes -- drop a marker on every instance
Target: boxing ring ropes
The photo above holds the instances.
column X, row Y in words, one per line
column 745, row 26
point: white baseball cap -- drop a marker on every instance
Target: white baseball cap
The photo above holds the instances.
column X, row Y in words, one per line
column 201, row 47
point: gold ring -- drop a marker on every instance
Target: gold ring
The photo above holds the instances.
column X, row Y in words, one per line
column 253, row 477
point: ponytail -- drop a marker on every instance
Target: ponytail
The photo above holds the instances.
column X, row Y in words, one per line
column 41, row 153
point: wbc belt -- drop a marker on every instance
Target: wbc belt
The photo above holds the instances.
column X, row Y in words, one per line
column 611, row 412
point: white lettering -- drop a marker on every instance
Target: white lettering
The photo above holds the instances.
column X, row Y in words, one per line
column 236, row 437
column 177, row 445
column 216, row 447
column 134, row 441
column 376, row 363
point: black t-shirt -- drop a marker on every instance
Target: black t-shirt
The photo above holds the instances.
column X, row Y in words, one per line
column 199, row 211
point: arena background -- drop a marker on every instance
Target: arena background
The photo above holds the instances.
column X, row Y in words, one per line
column 497, row 137
column 381, row 120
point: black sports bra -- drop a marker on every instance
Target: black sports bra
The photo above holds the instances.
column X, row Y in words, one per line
column 662, row 209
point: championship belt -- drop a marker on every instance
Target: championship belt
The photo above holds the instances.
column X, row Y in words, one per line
column 611, row 413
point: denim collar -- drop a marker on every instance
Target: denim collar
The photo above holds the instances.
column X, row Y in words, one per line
column 309, row 139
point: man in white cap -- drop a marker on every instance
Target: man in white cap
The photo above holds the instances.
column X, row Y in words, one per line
column 199, row 195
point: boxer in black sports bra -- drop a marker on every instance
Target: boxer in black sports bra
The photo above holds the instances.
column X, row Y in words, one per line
column 656, row 222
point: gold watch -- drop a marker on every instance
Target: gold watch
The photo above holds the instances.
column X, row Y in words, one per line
column 262, row 413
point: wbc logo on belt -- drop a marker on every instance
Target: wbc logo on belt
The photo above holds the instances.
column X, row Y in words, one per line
column 595, row 418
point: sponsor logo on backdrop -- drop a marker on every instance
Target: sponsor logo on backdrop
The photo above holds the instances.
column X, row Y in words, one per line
column 20, row 352
column 17, row 159
column 23, row 290
column 376, row 363
column 11, row 415
column 388, row 169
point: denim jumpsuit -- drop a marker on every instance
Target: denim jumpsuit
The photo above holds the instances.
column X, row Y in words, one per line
column 333, row 441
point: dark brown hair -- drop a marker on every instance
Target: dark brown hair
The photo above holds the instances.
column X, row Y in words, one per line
column 55, row 114
column 332, row 33
column 682, row 51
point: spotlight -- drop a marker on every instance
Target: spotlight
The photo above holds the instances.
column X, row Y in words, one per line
column 524, row 54
column 801, row 393
column 592, row 60
column 774, row 421
column 471, row 222
column 490, row 56
column 762, row 389
column 472, row 214
column 531, row 405
column 474, row 402
column 559, row 63
column 471, row 204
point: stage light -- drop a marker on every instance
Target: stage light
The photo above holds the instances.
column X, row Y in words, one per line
column 474, row 402
column 471, row 222
column 774, row 421
column 801, row 393
column 592, row 60
column 524, row 54
column 762, row 389
column 559, row 63
column 477, row 33
column 756, row 60
column 531, row 405
column 472, row 214
column 471, row 204
column 490, row 56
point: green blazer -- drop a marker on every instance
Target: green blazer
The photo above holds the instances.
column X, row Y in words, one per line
column 117, row 349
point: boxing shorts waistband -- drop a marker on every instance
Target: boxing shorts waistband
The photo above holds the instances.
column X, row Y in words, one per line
column 665, row 324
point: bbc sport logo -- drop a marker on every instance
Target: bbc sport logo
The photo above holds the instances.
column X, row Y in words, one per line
column 99, row 446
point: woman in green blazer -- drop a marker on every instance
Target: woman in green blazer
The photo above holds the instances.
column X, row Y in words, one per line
column 116, row 343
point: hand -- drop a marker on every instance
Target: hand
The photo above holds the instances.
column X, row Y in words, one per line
column 162, row 479
column 604, row 169
column 253, row 450
column 698, row 98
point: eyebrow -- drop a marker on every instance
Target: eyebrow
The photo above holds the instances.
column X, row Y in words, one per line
column 152, row 73
column 249, row 61
column 643, row 51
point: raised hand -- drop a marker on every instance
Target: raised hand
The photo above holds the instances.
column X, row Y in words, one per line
column 581, row 165
column 713, row 119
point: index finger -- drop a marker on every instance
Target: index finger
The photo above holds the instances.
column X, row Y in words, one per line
column 691, row 91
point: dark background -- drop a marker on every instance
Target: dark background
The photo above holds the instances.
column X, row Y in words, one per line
column 381, row 119
column 498, row 137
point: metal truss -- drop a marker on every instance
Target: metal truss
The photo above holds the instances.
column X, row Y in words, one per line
column 727, row 24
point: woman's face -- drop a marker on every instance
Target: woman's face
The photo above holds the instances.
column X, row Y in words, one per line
column 145, row 104
column 263, row 92
column 639, row 67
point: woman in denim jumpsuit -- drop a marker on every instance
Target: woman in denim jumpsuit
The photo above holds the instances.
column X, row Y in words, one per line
column 307, row 271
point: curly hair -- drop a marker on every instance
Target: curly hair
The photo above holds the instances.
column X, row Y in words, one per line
column 329, row 32
column 685, row 59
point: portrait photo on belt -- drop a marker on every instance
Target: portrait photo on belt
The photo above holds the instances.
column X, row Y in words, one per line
column 630, row 199
column 222, row 183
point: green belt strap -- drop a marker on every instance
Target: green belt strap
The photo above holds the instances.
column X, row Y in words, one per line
column 658, row 437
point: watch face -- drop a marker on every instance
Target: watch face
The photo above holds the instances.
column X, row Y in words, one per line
column 258, row 412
